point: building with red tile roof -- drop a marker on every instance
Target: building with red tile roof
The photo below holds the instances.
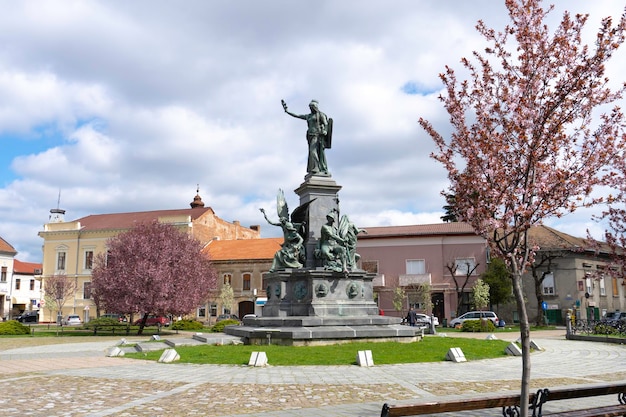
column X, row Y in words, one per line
column 7, row 255
column 240, row 264
column 70, row 247
column 450, row 257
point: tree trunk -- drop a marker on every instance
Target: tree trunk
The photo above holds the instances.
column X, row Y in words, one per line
column 525, row 338
column 539, row 295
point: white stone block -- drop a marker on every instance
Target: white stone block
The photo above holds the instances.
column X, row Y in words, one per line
column 156, row 337
column 258, row 359
column 169, row 355
column 364, row 358
column 513, row 350
column 455, row 355
column 491, row 337
column 121, row 342
column 113, row 352
column 535, row 346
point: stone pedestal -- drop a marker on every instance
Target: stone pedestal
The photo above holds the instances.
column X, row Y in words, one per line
column 320, row 293
column 318, row 197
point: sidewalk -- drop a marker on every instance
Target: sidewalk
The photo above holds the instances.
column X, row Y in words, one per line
column 77, row 380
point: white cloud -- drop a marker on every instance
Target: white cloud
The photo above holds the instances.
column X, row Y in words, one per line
column 127, row 106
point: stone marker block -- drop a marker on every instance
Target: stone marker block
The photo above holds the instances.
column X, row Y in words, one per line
column 258, row 359
column 364, row 358
column 455, row 355
column 169, row 355
column 155, row 337
column 513, row 350
column 533, row 345
column 121, row 342
column 113, row 352
column 442, row 334
column 491, row 337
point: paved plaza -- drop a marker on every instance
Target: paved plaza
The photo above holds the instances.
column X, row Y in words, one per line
column 78, row 380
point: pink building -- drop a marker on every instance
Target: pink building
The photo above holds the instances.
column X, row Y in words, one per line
column 447, row 256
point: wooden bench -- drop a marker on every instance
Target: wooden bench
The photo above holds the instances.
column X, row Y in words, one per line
column 510, row 403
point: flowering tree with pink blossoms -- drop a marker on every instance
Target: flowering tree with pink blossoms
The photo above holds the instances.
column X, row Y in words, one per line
column 153, row 268
column 526, row 143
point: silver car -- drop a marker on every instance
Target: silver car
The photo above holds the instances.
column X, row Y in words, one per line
column 72, row 320
column 474, row 315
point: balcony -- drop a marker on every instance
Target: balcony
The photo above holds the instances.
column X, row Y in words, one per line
column 379, row 280
column 414, row 279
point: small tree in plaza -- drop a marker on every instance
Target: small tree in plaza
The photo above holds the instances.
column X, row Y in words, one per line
column 153, row 268
column 526, row 144
column 58, row 288
column 227, row 297
column 480, row 294
column 399, row 298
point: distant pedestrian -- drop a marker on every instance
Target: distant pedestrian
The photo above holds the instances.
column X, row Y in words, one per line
column 412, row 317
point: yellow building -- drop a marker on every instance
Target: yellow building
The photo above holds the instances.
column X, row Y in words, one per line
column 70, row 247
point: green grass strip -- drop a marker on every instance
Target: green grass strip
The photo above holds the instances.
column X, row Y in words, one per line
column 430, row 349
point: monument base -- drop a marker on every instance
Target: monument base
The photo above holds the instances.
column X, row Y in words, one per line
column 313, row 307
column 311, row 331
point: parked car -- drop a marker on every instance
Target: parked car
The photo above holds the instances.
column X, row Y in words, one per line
column 249, row 316
column 474, row 315
column 152, row 320
column 614, row 318
column 119, row 317
column 28, row 317
column 227, row 317
column 425, row 319
column 72, row 320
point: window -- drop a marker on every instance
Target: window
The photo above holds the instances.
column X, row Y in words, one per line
column 32, row 285
column 370, row 266
column 18, row 283
column 228, row 279
column 588, row 285
column 602, row 286
column 89, row 259
column 246, row 281
column 615, row 287
column 213, row 310
column 464, row 266
column 415, row 267
column 548, row 284
column 87, row 290
column 202, row 311
column 61, row 261
column 3, row 274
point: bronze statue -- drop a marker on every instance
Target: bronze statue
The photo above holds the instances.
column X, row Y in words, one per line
column 332, row 247
column 318, row 135
column 292, row 253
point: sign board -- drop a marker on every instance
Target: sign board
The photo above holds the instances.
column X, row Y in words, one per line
column 544, row 306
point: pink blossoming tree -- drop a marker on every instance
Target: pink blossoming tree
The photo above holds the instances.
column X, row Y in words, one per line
column 153, row 268
column 526, row 141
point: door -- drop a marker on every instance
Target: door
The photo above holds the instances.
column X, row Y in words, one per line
column 438, row 306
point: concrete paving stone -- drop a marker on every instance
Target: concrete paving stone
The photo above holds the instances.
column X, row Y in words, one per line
column 77, row 380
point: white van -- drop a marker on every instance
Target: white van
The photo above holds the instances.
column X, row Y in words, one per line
column 474, row 315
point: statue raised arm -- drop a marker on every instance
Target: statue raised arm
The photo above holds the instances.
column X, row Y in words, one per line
column 319, row 137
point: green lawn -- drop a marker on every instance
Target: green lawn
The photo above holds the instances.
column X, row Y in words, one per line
column 430, row 349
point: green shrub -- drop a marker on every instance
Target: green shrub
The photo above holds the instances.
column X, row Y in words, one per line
column 478, row 326
column 219, row 326
column 13, row 327
column 102, row 322
column 602, row 328
column 187, row 324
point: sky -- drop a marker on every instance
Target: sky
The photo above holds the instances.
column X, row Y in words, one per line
column 117, row 106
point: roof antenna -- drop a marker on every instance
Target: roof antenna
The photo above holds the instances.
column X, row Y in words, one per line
column 57, row 215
